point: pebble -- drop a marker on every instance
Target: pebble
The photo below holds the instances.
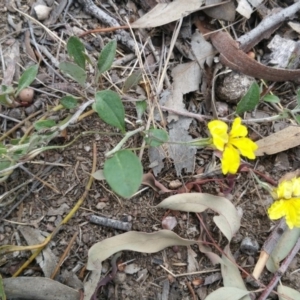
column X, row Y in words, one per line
column 249, row 246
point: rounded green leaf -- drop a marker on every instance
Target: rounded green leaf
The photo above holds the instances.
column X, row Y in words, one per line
column 156, row 137
column 107, row 56
column 123, row 172
column 250, row 100
column 76, row 50
column 44, row 124
column 68, row 102
column 27, row 78
column 271, row 99
column 110, row 108
column 73, row 71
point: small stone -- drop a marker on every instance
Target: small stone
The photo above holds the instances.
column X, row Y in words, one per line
column 131, row 269
column 52, row 219
column 87, row 148
column 249, row 246
column 175, row 184
column 234, row 87
column 100, row 205
column 26, row 95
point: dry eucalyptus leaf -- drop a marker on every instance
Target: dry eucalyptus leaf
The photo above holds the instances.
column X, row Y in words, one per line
column 282, row 140
column 47, row 260
column 225, row 12
column 38, row 288
column 134, row 241
column 228, row 220
column 91, row 283
column 164, row 13
column 245, row 7
column 192, row 263
column 231, row 273
column 287, row 292
column 295, row 26
column 290, row 175
column 227, row 293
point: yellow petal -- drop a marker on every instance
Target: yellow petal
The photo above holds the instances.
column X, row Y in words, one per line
column 245, row 146
column 237, row 129
column 218, row 131
column 290, row 209
column 275, row 211
column 296, row 187
column 285, row 190
column 230, row 160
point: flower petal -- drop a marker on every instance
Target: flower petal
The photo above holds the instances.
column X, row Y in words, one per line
column 218, row 130
column 246, row 146
column 230, row 160
column 237, row 129
column 296, row 187
column 290, row 209
column 285, row 190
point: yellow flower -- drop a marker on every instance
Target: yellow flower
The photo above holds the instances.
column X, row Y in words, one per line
column 288, row 203
column 232, row 144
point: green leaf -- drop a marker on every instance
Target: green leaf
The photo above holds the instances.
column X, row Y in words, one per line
column 228, row 220
column 110, row 108
column 287, row 292
column 298, row 97
column 156, row 137
column 5, row 92
column 3, row 149
column 134, row 241
column 140, row 107
column 297, row 118
column 271, row 99
column 250, row 100
column 27, row 78
column 132, row 81
column 73, row 71
column 123, row 172
column 76, row 50
column 44, row 124
column 227, row 293
column 284, row 246
column 107, row 56
column 68, row 102
column 2, row 292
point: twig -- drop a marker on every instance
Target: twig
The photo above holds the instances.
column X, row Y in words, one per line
column 191, row 290
column 64, row 221
column 266, row 27
column 123, row 141
column 7, row 133
column 121, row 35
column 126, row 226
column 279, row 273
column 66, row 252
column 268, row 247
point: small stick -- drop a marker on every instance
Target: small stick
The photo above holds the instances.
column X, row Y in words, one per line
column 268, row 247
column 66, row 252
column 116, row 224
column 279, row 273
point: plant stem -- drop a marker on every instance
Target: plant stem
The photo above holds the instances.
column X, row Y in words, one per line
column 124, row 140
column 279, row 273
